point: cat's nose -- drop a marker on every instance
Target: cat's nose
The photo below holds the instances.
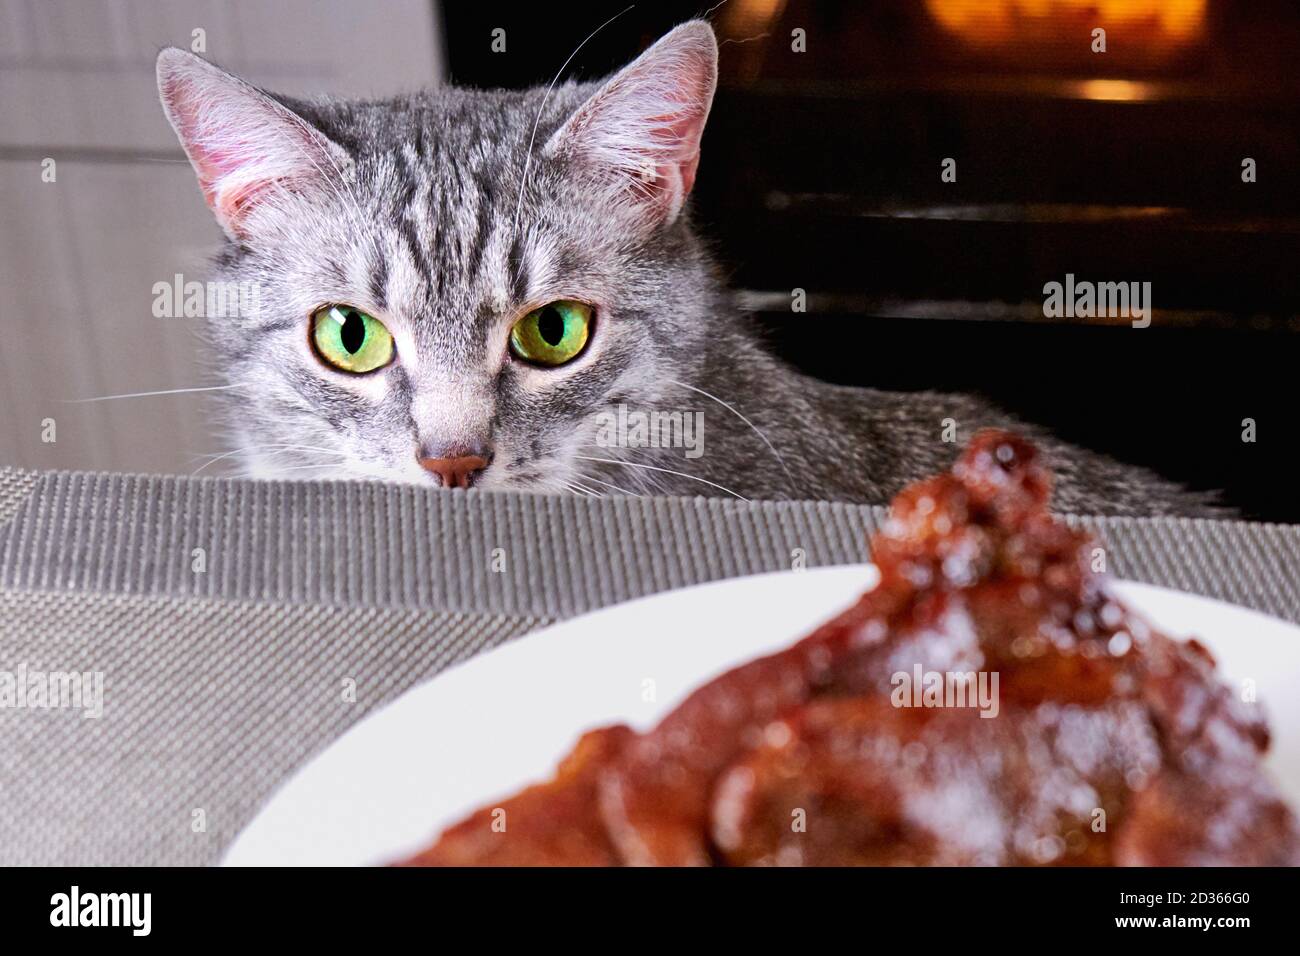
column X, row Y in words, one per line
column 456, row 470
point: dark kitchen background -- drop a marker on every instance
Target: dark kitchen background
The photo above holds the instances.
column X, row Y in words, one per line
column 821, row 171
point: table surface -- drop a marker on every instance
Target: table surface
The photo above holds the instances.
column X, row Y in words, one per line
column 239, row 627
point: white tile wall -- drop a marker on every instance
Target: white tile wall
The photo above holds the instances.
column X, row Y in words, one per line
column 79, row 257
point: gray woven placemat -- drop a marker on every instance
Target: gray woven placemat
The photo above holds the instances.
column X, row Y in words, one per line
column 226, row 616
column 206, row 706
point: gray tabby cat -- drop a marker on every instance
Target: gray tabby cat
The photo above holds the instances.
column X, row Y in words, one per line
column 461, row 287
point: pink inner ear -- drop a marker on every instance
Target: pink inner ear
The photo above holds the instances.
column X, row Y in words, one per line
column 241, row 145
column 641, row 132
column 234, row 177
column 678, row 135
column 688, row 173
column 211, row 164
column 233, row 204
column 675, row 136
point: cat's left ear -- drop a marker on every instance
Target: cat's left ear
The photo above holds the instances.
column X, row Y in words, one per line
column 247, row 148
column 640, row 132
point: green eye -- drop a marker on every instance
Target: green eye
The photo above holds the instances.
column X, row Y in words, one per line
column 350, row 340
column 552, row 335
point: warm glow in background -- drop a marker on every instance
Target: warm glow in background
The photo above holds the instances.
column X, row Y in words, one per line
column 1169, row 23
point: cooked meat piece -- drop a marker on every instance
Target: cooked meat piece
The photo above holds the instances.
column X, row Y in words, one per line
column 858, row 781
column 986, row 703
column 550, row 824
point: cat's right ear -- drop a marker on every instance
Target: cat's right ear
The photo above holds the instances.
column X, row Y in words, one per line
column 640, row 132
column 246, row 148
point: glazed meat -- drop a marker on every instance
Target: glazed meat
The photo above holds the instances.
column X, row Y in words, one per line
column 550, row 824
column 986, row 704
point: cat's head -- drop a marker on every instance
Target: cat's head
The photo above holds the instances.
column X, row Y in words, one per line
column 451, row 287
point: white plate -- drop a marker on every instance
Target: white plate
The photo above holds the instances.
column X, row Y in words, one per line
column 502, row 720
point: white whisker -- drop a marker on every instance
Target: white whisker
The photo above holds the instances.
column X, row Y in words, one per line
column 794, row 487
column 338, row 457
column 165, row 391
column 213, row 461
column 647, row 481
column 292, row 447
column 528, row 157
column 580, row 480
column 669, row 471
column 623, row 491
column 319, row 466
